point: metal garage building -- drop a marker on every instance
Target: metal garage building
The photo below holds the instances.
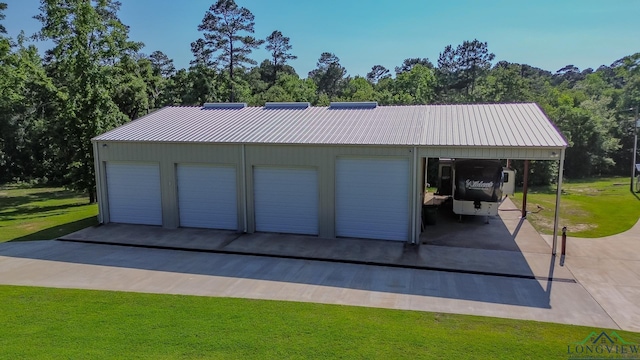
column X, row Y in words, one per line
column 347, row 170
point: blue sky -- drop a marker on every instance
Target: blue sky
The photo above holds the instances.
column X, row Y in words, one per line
column 543, row 33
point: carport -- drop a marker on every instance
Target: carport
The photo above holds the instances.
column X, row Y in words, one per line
column 500, row 132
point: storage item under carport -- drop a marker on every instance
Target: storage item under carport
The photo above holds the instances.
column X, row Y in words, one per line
column 429, row 214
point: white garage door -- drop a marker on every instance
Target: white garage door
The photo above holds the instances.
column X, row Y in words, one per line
column 133, row 190
column 372, row 198
column 207, row 196
column 286, row 200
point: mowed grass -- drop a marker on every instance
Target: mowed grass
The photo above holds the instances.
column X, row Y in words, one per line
column 44, row 323
column 588, row 208
column 40, row 213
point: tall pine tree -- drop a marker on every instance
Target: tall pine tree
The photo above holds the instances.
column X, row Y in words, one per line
column 278, row 45
column 225, row 27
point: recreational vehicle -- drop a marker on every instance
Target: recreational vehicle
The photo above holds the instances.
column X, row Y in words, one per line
column 476, row 186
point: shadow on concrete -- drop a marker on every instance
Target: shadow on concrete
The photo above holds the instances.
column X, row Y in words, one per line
column 507, row 241
column 468, row 231
column 424, row 283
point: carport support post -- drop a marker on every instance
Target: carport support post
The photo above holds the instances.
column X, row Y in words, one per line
column 636, row 124
column 557, row 214
column 99, row 183
column 525, row 188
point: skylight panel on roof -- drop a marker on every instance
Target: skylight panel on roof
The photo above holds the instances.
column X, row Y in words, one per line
column 286, row 105
column 224, row 106
column 354, row 105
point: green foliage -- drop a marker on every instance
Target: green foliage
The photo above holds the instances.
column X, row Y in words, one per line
column 504, row 84
column 409, row 63
column 300, row 89
column 90, row 50
column 161, row 64
column 198, row 85
column 377, row 73
column 329, row 76
column 588, row 123
column 26, row 147
column 541, row 173
column 92, row 324
column 359, row 89
column 459, row 69
column 279, row 47
column 134, row 86
column 416, row 86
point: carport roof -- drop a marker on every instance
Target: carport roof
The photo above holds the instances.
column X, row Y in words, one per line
column 478, row 125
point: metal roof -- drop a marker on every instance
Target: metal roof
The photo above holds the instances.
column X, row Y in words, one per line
column 485, row 125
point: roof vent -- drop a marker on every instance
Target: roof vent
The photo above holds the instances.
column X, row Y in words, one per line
column 224, row 106
column 354, row 105
column 286, row 105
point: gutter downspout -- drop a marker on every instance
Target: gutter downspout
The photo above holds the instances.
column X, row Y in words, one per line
column 244, row 188
column 414, row 182
column 557, row 214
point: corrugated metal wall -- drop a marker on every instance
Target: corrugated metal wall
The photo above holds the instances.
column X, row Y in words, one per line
column 168, row 155
column 323, row 158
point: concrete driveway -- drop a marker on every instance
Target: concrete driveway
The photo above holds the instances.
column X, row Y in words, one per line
column 609, row 269
column 61, row 264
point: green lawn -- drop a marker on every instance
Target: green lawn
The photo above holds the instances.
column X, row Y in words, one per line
column 40, row 213
column 82, row 324
column 588, row 208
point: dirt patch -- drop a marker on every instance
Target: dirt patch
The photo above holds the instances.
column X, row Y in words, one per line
column 580, row 227
column 545, row 225
column 29, row 226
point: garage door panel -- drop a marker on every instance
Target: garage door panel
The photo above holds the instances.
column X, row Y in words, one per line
column 372, row 198
column 286, row 200
column 133, row 190
column 207, row 196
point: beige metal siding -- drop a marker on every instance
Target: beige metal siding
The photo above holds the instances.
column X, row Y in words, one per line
column 168, row 155
column 321, row 157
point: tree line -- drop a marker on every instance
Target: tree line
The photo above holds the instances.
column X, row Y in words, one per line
column 94, row 78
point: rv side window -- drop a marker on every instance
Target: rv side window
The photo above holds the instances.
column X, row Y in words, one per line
column 505, row 177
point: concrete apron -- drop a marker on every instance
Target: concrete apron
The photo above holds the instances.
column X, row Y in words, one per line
column 507, row 246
